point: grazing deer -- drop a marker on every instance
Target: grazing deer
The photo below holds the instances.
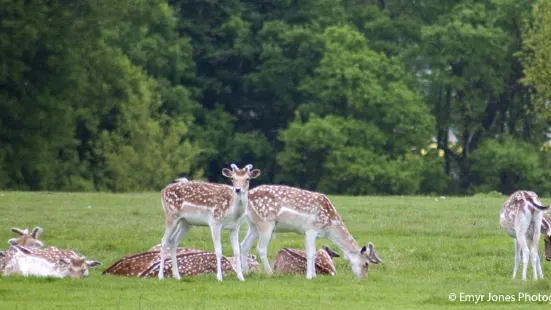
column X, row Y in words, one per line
column 293, row 261
column 192, row 203
column 49, row 262
column 289, row 209
column 546, row 231
column 521, row 217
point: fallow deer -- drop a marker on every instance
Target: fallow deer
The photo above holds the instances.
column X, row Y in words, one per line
column 521, row 218
column 289, row 209
column 293, row 261
column 195, row 264
column 546, row 231
column 28, row 240
column 49, row 262
column 219, row 206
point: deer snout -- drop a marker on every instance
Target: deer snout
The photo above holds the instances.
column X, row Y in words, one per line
column 238, row 190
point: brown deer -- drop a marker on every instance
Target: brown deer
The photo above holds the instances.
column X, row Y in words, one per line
column 293, row 261
column 48, row 262
column 546, row 231
column 521, row 217
column 289, row 209
column 219, row 206
column 195, row 264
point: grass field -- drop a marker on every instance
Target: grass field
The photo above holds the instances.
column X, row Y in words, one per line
column 430, row 247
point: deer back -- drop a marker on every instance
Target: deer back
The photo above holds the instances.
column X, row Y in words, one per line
column 190, row 264
column 133, row 265
column 293, row 261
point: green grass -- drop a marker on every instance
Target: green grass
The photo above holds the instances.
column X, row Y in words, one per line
column 430, row 248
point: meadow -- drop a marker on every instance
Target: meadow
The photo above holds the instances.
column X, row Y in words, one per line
column 431, row 247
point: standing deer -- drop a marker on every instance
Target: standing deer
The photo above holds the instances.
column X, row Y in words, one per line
column 192, row 203
column 289, row 209
column 521, row 217
column 293, row 261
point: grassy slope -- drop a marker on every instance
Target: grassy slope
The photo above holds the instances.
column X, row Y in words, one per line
column 429, row 247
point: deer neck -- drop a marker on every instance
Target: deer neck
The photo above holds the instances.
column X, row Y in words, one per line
column 240, row 202
column 340, row 236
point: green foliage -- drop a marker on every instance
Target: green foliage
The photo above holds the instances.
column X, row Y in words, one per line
column 507, row 166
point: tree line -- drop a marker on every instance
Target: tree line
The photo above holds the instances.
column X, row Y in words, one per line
column 350, row 97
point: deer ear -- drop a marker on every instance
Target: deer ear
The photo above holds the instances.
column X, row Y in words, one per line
column 18, row 231
column 363, row 250
column 254, row 174
column 331, row 253
column 36, row 232
column 227, row 173
column 372, row 256
column 93, row 263
column 12, row 241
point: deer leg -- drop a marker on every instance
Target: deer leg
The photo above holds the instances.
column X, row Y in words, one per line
column 525, row 254
column 181, row 230
column 536, row 267
column 262, row 247
column 517, row 258
column 234, row 238
column 166, row 238
column 216, row 231
column 252, row 235
column 310, row 246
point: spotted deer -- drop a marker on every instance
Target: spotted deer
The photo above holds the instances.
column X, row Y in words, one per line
column 521, row 217
column 293, row 261
column 219, row 206
column 48, row 262
column 28, row 240
column 289, row 209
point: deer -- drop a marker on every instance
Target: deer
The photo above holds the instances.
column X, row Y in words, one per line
column 26, row 239
column 49, row 262
column 195, row 203
column 289, row 209
column 521, row 218
column 546, row 231
column 293, row 261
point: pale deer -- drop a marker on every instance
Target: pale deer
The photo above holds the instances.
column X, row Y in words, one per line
column 26, row 239
column 521, row 217
column 289, row 209
column 293, row 261
column 49, row 262
column 219, row 206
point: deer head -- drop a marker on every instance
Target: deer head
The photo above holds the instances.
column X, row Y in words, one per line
column 25, row 239
column 78, row 266
column 360, row 261
column 240, row 177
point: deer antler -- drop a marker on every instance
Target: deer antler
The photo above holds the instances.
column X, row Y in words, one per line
column 249, row 167
column 234, row 167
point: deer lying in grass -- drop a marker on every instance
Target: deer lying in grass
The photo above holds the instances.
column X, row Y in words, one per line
column 284, row 208
column 191, row 203
column 48, row 262
column 293, row 261
column 28, row 240
column 137, row 264
column 521, row 217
